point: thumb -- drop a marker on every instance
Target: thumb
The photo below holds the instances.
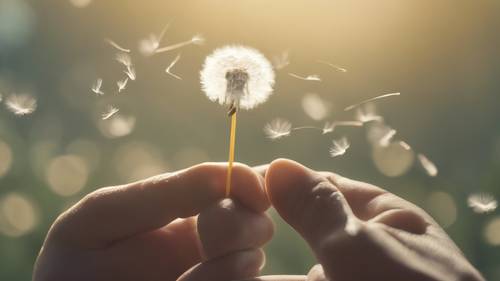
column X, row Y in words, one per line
column 309, row 202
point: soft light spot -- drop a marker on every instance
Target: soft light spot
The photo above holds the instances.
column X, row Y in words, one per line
column 17, row 215
column 492, row 231
column 137, row 160
column 442, row 207
column 393, row 160
column 5, row 158
column 67, row 174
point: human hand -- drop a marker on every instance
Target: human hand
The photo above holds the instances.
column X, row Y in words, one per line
column 360, row 232
column 148, row 230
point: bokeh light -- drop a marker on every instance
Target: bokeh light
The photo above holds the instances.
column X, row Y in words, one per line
column 442, row 207
column 67, row 174
column 138, row 160
column 18, row 215
column 492, row 231
column 5, row 158
column 394, row 160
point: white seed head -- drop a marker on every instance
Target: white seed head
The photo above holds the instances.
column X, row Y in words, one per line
column 482, row 203
column 339, row 147
column 278, row 128
column 22, row 104
column 237, row 75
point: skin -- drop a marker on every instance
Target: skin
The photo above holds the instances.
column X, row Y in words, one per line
column 178, row 227
column 358, row 231
column 175, row 226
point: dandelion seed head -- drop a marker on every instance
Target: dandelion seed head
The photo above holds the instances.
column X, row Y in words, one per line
column 21, row 104
column 96, row 88
column 122, row 84
column 237, row 75
column 131, row 73
column 339, row 147
column 278, row 128
column 482, row 203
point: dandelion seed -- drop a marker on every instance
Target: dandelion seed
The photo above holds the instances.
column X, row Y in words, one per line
column 336, row 67
column 429, row 167
column 116, row 46
column 278, row 128
column 312, row 77
column 124, row 59
column 96, row 88
column 482, row 203
column 130, row 73
column 239, row 77
column 282, row 60
column 314, row 106
column 196, row 40
column 148, row 46
column 339, row 147
column 109, row 112
column 169, row 68
column 405, row 145
column 386, row 139
column 22, row 104
column 331, row 126
column 122, row 84
column 367, row 114
column 351, row 107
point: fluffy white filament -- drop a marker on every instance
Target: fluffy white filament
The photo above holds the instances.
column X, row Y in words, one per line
column 22, row 104
column 482, row 203
column 220, row 68
column 278, row 128
column 339, row 147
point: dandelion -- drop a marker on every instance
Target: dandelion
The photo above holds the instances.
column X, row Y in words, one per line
column 148, row 46
column 336, row 67
column 22, row 104
column 351, row 107
column 282, row 60
column 278, row 128
column 331, row 126
column 109, row 112
column 429, row 167
column 96, row 88
column 238, row 77
column 169, row 68
column 312, row 77
column 195, row 40
column 124, row 59
column 122, row 84
column 482, row 203
column 314, row 106
column 116, row 46
column 339, row 147
column 130, row 73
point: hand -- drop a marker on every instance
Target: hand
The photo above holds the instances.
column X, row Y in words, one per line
column 134, row 232
column 361, row 232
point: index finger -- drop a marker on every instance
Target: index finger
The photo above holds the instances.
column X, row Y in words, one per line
column 114, row 213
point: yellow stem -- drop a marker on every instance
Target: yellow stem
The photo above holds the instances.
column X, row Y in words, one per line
column 232, row 140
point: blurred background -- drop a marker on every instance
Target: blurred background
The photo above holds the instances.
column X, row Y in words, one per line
column 443, row 56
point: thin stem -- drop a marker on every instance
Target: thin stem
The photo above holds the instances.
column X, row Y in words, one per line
column 306, row 128
column 232, row 141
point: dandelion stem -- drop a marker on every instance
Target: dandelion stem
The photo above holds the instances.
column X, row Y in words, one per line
column 232, row 141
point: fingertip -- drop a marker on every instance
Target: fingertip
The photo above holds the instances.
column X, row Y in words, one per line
column 285, row 176
column 248, row 188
